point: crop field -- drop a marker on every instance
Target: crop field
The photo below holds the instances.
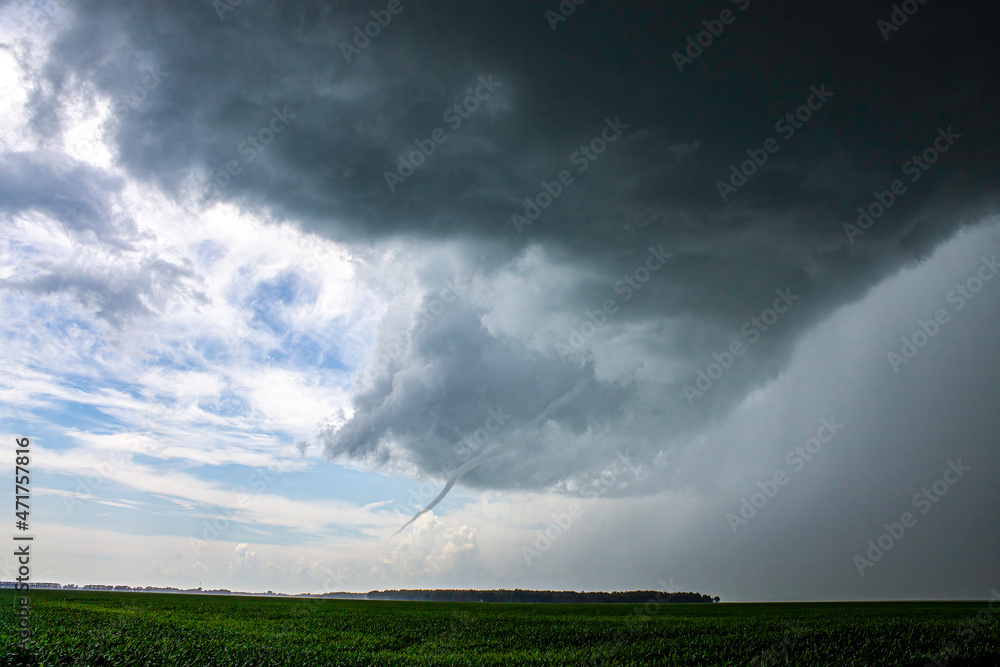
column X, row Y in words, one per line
column 85, row 628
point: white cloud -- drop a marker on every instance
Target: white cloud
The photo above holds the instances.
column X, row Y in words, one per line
column 429, row 549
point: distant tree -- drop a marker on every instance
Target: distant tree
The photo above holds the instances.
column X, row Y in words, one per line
column 519, row 595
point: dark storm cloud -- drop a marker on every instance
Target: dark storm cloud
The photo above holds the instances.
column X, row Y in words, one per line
column 353, row 119
column 604, row 72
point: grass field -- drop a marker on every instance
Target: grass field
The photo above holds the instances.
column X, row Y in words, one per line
column 84, row 628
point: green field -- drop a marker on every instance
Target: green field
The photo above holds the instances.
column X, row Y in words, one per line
column 84, row 628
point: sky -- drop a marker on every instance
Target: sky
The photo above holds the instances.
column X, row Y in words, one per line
column 322, row 295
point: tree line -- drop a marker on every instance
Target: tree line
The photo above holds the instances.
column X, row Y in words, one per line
column 518, row 595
